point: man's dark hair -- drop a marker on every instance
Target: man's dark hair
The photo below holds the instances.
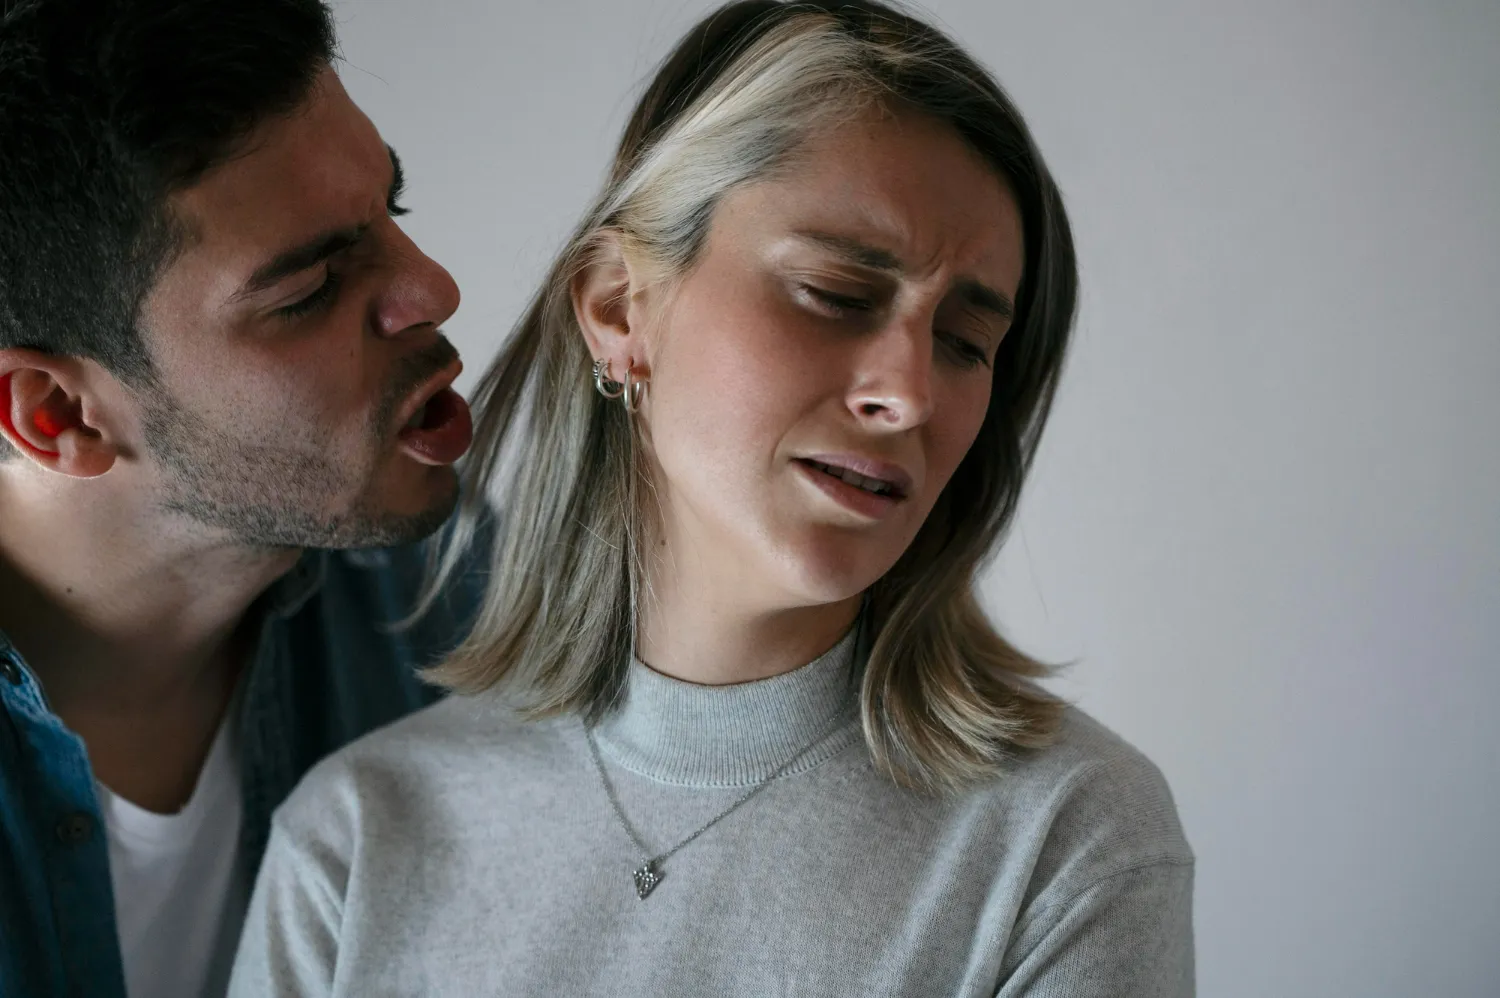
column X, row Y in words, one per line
column 106, row 108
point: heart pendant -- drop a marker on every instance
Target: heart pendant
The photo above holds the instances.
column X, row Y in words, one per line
column 646, row 878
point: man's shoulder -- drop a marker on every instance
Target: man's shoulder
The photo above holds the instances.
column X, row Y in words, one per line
column 343, row 654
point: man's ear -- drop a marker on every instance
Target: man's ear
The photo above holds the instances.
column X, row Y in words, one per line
column 46, row 414
column 607, row 306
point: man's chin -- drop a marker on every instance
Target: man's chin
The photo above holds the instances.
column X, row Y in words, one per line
column 369, row 528
column 393, row 531
column 270, row 526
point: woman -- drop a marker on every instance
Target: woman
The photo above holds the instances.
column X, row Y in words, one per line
column 734, row 722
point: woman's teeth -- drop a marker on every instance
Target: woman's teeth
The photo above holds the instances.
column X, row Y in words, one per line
column 878, row 486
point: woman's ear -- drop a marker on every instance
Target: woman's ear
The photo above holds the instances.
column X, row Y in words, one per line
column 605, row 303
column 43, row 414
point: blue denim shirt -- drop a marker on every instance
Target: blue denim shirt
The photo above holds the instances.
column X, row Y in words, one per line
column 328, row 668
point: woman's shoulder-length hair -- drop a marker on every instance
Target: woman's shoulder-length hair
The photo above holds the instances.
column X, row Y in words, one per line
column 944, row 697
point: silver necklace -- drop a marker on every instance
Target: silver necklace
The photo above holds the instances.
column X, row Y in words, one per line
column 650, row 872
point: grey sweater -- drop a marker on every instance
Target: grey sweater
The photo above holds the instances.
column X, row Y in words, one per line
column 466, row 852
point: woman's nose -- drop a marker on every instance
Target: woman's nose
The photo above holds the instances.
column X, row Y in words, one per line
column 894, row 389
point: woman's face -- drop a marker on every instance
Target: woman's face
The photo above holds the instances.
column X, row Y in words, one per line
column 819, row 374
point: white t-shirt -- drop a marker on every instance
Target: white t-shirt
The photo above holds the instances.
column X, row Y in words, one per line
column 179, row 897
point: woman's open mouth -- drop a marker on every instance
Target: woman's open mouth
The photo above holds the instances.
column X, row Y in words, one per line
column 865, row 495
column 875, row 486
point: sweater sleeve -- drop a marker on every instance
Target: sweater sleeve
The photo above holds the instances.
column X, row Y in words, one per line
column 1129, row 935
column 291, row 938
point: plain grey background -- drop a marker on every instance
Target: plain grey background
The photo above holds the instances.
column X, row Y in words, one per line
column 1264, row 522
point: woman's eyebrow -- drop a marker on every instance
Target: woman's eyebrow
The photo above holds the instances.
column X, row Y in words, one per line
column 854, row 251
column 975, row 293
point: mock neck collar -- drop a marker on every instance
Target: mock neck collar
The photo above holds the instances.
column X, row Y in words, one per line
column 731, row 736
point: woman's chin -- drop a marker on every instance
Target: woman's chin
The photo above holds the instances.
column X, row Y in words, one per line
column 829, row 575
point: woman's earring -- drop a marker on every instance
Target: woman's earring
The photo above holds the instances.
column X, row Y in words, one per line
column 633, row 390
column 604, row 384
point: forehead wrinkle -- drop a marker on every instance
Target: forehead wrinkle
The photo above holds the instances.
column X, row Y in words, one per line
column 943, row 218
column 330, row 151
column 970, row 263
column 887, row 224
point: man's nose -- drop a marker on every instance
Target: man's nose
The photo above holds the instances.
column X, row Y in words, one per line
column 422, row 292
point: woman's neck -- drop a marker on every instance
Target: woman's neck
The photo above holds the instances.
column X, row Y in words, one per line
column 716, row 643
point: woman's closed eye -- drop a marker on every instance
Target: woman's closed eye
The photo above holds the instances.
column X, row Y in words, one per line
column 838, row 305
column 966, row 351
column 832, row 303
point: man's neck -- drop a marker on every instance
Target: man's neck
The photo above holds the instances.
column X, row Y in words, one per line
column 136, row 627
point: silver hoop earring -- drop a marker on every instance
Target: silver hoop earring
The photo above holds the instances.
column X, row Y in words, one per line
column 604, row 384
column 633, row 390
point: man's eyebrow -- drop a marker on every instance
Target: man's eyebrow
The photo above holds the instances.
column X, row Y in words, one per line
column 300, row 258
column 975, row 294
column 323, row 246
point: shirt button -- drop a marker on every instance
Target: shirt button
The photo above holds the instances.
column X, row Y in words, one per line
column 10, row 671
column 75, row 829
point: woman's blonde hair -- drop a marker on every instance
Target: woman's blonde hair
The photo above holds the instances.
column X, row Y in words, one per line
column 943, row 695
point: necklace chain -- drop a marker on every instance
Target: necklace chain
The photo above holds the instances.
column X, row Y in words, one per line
column 649, row 874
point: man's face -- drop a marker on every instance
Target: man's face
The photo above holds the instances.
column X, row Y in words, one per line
column 302, row 385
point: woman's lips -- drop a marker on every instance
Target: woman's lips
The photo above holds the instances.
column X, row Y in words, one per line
column 860, row 501
column 864, row 468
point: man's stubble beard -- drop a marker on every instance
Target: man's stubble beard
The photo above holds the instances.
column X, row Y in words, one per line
column 273, row 497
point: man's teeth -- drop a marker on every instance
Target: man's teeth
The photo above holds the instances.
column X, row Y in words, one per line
column 877, row 486
column 416, row 420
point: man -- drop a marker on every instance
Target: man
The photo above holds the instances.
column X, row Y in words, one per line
column 226, row 419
